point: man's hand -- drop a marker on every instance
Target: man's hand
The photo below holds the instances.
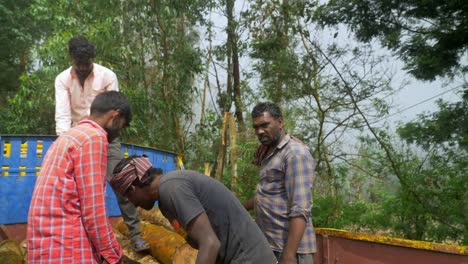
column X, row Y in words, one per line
column 249, row 204
column 287, row 260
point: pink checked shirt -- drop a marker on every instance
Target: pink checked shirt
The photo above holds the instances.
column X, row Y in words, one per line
column 72, row 101
column 67, row 221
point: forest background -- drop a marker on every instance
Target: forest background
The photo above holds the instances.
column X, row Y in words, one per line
column 191, row 94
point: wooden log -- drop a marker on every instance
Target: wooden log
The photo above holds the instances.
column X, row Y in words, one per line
column 10, row 252
column 132, row 257
column 155, row 216
column 24, row 250
column 165, row 245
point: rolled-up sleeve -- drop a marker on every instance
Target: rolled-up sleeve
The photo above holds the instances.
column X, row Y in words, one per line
column 62, row 107
column 299, row 178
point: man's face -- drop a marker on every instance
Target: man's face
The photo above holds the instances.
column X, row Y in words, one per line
column 268, row 129
column 83, row 67
column 113, row 130
column 138, row 197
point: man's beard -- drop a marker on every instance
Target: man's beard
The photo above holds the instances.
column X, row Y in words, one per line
column 113, row 132
column 270, row 140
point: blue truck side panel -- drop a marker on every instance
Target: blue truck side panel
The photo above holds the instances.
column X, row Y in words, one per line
column 20, row 161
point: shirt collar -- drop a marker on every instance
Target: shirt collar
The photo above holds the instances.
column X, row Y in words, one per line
column 284, row 141
column 75, row 76
column 93, row 124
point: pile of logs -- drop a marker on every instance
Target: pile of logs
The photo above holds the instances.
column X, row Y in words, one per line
column 11, row 252
column 167, row 246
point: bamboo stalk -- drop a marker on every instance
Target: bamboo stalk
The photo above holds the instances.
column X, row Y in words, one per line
column 233, row 152
column 222, row 149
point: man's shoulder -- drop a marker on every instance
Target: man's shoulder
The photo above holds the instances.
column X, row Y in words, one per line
column 294, row 143
column 64, row 74
column 296, row 147
column 87, row 130
column 170, row 179
column 103, row 70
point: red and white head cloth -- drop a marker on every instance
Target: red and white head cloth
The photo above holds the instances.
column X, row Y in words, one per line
column 135, row 169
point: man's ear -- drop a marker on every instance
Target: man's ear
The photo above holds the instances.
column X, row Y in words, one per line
column 112, row 114
column 115, row 112
column 280, row 122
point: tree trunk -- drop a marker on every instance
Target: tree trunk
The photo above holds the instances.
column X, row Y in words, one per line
column 233, row 47
column 233, row 152
column 222, row 149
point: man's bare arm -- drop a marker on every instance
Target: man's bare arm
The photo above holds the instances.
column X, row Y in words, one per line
column 297, row 226
column 201, row 232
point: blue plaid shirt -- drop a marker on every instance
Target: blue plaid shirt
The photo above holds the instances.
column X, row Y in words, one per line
column 284, row 191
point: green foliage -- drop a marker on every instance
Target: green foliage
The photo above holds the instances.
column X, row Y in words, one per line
column 337, row 212
column 447, row 126
column 247, row 172
column 430, row 36
column 426, row 201
column 18, row 32
column 24, row 114
column 203, row 143
column 155, row 65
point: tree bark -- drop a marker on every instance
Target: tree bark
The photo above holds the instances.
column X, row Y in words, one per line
column 233, row 152
column 233, row 47
column 222, row 149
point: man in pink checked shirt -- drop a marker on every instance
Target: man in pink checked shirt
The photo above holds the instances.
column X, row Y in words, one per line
column 75, row 89
column 67, row 219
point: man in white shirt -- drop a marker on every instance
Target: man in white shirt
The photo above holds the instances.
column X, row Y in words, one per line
column 75, row 90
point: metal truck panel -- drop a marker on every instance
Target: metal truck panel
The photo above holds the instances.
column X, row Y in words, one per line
column 20, row 161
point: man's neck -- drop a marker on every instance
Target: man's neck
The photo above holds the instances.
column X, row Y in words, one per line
column 155, row 187
column 82, row 80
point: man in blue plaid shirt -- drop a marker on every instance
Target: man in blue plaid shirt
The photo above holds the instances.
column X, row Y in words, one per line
column 283, row 198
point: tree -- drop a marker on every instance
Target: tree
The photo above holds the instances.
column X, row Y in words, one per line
column 447, row 126
column 429, row 36
column 325, row 97
column 18, row 32
column 155, row 62
column 429, row 206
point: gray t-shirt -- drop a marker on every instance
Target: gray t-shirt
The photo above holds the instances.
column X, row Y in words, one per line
column 185, row 194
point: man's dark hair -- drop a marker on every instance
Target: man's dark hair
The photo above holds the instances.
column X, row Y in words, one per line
column 112, row 100
column 269, row 107
column 81, row 50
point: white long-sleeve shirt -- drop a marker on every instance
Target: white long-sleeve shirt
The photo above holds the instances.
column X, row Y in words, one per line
column 73, row 101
